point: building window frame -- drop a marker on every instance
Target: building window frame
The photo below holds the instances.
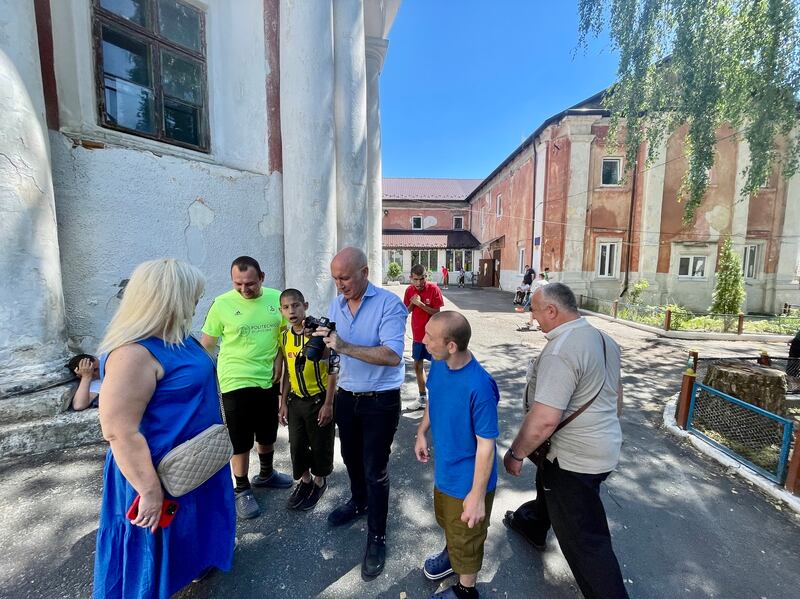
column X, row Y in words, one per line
column 394, row 255
column 521, row 260
column 414, row 221
column 498, row 208
column 429, row 258
column 618, row 181
column 458, row 223
column 455, row 258
column 607, row 259
column 691, row 271
column 156, row 44
column 750, row 261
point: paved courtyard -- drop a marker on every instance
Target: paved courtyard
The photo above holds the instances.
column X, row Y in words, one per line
column 682, row 527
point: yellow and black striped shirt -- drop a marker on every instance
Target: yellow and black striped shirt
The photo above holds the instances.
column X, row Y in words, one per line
column 306, row 378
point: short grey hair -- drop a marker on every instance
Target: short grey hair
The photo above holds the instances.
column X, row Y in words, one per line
column 560, row 295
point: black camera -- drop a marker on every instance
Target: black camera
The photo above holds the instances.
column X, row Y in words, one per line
column 315, row 347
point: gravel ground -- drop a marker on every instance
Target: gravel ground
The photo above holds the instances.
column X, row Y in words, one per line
column 682, row 526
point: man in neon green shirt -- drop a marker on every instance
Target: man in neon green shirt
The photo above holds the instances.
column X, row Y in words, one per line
column 248, row 320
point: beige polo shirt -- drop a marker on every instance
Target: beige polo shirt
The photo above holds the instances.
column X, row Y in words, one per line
column 568, row 373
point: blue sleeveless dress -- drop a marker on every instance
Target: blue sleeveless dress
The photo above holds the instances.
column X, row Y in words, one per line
column 130, row 562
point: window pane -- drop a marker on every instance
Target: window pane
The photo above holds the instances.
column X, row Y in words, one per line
column 610, row 172
column 448, row 259
column 603, row 259
column 458, row 222
column 416, row 222
column 468, row 260
column 433, row 261
column 699, row 269
column 182, row 78
column 133, row 10
column 129, row 105
column 180, row 23
column 126, row 58
column 182, row 122
column 414, row 257
column 612, row 248
column 683, row 268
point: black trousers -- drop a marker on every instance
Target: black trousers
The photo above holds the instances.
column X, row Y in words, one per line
column 570, row 503
column 310, row 444
column 367, row 424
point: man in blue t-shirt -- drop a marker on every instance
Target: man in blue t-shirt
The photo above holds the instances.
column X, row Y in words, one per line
column 462, row 414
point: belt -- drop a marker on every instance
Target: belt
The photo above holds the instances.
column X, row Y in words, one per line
column 370, row 393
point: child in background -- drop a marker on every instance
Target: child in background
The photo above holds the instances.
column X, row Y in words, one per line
column 307, row 392
column 87, row 368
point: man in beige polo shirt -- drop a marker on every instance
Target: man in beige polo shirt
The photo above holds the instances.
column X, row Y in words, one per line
column 578, row 366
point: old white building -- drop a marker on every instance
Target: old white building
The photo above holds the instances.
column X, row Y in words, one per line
column 196, row 129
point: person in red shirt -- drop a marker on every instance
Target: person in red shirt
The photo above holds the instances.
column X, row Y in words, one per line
column 445, row 277
column 423, row 299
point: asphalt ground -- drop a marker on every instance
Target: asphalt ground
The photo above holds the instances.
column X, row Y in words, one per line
column 682, row 525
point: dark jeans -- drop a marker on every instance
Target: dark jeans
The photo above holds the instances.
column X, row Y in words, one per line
column 367, row 424
column 311, row 445
column 570, row 502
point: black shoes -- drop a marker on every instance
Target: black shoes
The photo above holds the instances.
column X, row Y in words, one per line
column 374, row 557
column 345, row 513
column 509, row 520
column 301, row 492
column 313, row 497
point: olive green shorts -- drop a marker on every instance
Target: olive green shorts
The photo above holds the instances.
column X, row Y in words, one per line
column 464, row 544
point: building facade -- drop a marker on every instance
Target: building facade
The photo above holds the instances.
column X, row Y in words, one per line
column 561, row 201
column 195, row 129
column 427, row 221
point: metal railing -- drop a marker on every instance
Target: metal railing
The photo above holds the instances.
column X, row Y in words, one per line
column 758, row 439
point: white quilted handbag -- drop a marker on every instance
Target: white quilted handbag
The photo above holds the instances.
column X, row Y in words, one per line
column 193, row 462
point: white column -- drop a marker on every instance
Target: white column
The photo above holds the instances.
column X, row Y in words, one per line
column 651, row 218
column 33, row 332
column 786, row 273
column 741, row 205
column 350, row 101
column 577, row 200
column 309, row 160
column 375, row 53
column 538, row 198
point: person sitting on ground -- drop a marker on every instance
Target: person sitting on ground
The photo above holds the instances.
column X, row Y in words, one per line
column 307, row 392
column 462, row 415
column 87, row 368
column 423, row 299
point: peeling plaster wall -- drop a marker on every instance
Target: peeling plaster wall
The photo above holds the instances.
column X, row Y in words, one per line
column 32, row 335
column 119, row 206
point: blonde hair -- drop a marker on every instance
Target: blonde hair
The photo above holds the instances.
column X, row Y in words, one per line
column 159, row 300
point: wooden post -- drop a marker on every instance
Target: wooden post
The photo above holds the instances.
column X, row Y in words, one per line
column 685, row 398
column 793, row 471
column 614, row 308
column 763, row 358
column 740, row 325
column 667, row 318
column 694, row 355
column 580, row 301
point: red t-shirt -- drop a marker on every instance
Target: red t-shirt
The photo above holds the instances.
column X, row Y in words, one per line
column 431, row 296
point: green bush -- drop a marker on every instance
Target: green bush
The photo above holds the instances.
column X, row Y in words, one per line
column 394, row 270
column 729, row 294
column 680, row 316
column 635, row 293
column 653, row 319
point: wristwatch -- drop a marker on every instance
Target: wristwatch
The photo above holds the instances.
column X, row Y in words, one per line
column 513, row 457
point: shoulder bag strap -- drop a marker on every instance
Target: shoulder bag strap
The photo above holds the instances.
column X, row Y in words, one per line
column 578, row 412
column 216, row 377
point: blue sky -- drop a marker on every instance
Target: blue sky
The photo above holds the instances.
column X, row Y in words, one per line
column 465, row 81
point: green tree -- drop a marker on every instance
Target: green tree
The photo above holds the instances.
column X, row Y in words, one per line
column 704, row 63
column 393, row 271
column 729, row 294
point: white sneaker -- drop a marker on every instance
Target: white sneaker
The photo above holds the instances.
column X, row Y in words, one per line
column 417, row 404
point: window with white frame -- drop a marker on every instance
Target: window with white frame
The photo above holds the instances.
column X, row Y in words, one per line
column 607, row 257
column 692, row 267
column 499, row 206
column 428, row 258
column 750, row 261
column 416, row 223
column 458, row 222
column 395, row 256
column 612, row 171
column 521, row 260
column 457, row 259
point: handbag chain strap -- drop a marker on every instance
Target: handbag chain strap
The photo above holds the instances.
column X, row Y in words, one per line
column 580, row 410
column 216, row 378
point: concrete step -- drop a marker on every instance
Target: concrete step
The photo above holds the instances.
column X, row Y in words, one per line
column 69, row 429
column 36, row 405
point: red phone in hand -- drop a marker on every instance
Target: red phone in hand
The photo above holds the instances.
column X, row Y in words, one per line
column 168, row 510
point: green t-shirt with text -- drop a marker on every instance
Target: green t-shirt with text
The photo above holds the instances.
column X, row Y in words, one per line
column 249, row 331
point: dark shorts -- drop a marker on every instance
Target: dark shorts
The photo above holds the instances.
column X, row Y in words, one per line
column 419, row 352
column 464, row 544
column 251, row 413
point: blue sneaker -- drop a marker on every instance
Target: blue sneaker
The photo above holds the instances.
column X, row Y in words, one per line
column 276, row 480
column 438, row 566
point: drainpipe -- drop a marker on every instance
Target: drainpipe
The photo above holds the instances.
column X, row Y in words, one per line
column 630, row 227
